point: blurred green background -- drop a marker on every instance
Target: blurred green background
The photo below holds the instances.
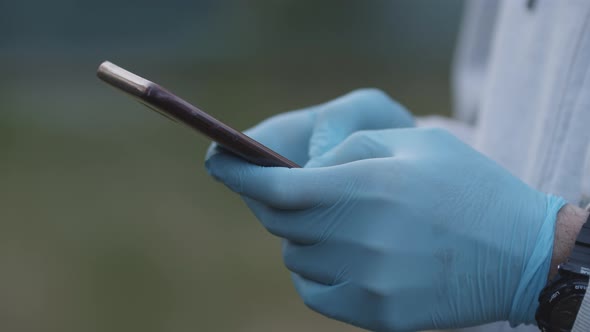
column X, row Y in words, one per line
column 108, row 220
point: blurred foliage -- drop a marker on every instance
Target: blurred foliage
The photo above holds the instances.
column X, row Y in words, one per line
column 108, row 221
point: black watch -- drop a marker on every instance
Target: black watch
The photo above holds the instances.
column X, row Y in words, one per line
column 561, row 299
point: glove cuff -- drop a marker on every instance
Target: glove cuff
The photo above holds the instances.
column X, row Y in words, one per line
column 536, row 270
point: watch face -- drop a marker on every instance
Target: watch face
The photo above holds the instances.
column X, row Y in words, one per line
column 566, row 310
column 560, row 302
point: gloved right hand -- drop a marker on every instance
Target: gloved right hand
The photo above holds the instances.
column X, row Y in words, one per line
column 404, row 230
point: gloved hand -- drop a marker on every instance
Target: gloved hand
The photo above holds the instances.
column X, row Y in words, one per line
column 402, row 229
column 307, row 133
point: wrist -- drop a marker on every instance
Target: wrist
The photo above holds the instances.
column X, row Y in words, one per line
column 534, row 276
column 560, row 300
column 570, row 220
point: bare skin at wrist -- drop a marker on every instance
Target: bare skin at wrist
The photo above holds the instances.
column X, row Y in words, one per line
column 570, row 220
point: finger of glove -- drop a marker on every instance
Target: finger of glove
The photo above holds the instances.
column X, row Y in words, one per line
column 318, row 262
column 287, row 133
column 342, row 302
column 364, row 109
column 277, row 187
column 298, row 226
column 371, row 144
column 358, row 146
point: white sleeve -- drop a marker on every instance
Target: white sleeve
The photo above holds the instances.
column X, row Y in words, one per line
column 468, row 70
column 471, row 57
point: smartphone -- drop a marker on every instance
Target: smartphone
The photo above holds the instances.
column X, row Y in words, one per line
column 173, row 107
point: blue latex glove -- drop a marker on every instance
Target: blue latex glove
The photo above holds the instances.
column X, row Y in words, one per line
column 307, row 133
column 401, row 229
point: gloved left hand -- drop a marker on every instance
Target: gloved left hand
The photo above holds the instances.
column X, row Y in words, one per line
column 403, row 230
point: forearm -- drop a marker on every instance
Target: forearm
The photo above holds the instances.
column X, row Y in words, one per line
column 570, row 220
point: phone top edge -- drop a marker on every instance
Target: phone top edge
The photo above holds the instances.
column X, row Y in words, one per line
column 123, row 79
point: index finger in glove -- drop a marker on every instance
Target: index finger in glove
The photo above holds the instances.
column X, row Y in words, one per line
column 287, row 133
column 364, row 109
column 277, row 187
